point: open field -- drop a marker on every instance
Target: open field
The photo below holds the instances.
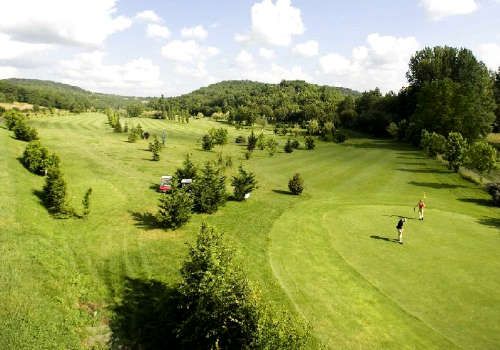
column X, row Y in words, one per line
column 327, row 255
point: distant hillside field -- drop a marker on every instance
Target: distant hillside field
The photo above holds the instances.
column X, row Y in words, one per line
column 58, row 95
column 328, row 255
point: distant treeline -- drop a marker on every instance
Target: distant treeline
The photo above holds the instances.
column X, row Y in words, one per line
column 247, row 101
column 449, row 90
column 56, row 95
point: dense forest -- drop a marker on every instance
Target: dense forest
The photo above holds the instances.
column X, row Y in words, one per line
column 246, row 101
column 56, row 95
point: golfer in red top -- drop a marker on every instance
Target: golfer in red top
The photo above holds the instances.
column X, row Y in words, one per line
column 421, row 206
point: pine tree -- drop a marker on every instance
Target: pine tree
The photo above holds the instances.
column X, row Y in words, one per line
column 243, row 183
column 174, row 209
column 55, row 191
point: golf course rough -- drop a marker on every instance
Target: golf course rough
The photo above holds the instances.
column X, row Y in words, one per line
column 327, row 255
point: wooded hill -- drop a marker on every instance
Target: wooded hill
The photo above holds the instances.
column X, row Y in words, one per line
column 57, row 95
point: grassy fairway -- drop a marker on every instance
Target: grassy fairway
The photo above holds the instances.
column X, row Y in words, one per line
column 326, row 255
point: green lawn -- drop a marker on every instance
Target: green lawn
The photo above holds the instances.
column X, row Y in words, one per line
column 327, row 255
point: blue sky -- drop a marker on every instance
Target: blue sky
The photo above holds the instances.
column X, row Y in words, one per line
column 171, row 47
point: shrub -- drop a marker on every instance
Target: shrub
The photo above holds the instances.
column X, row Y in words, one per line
column 494, row 190
column 296, row 184
column 339, row 137
column 174, row 209
column 155, row 148
column 135, row 109
column 481, row 156
column 240, row 139
column 432, row 143
column 288, row 146
column 248, row 155
column 207, row 142
column 36, row 158
column 229, row 162
column 145, row 135
column 209, row 190
column 55, row 191
column 24, row 132
column 243, row 183
column 118, row 127
column 309, row 141
column 261, row 141
column 295, row 144
column 252, row 141
column 272, row 146
column 86, row 203
column 393, row 130
column 219, row 136
column 456, row 148
column 188, row 170
column 11, row 118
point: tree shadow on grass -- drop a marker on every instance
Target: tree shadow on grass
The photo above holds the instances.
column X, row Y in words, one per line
column 144, row 220
column 479, row 201
column 146, row 316
column 400, row 216
column 386, row 239
column 493, row 222
column 425, row 171
column 154, row 186
column 436, row 185
column 40, row 195
column 283, row 192
column 378, row 144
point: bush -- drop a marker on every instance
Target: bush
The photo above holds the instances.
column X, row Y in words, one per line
column 219, row 136
column 134, row 110
column 118, row 127
column 456, row 148
column 24, row 132
column 288, row 146
column 252, row 141
column 494, row 190
column 481, row 156
column 272, row 146
column 209, row 190
column 206, row 142
column 309, row 141
column 240, row 139
column 295, row 144
column 55, row 191
column 11, row 118
column 339, row 137
column 145, row 135
column 248, row 155
column 261, row 141
column 432, row 143
column 296, row 184
column 243, row 183
column 174, row 209
column 155, row 148
column 36, row 158
column 188, row 170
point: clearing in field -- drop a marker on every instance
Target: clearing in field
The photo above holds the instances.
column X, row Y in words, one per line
column 328, row 255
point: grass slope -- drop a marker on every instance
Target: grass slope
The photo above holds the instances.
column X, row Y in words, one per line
column 327, row 254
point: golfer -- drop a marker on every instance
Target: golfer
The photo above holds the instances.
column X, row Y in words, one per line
column 400, row 229
column 421, row 206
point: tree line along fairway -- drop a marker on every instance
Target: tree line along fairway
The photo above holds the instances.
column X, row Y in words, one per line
column 326, row 255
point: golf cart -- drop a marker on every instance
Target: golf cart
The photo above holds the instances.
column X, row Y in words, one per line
column 186, row 182
column 165, row 184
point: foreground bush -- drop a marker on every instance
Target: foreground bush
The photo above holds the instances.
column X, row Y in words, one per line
column 339, row 137
column 296, row 184
column 12, row 117
column 494, row 190
column 37, row 159
column 243, row 183
column 55, row 192
column 288, row 146
column 309, row 141
column 482, row 157
column 213, row 307
column 174, row 209
column 188, row 170
column 207, row 143
column 24, row 132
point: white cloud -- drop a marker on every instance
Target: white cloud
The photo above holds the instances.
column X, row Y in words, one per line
column 439, row 9
column 157, row 31
column 242, row 38
column 275, row 74
column 148, row 16
column 188, row 51
column 276, row 23
column 266, row 53
column 12, row 50
column 489, row 53
column 382, row 63
column 244, row 59
column 197, row 32
column 197, row 71
column 138, row 76
column 77, row 23
column 8, row 72
column 307, row 49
